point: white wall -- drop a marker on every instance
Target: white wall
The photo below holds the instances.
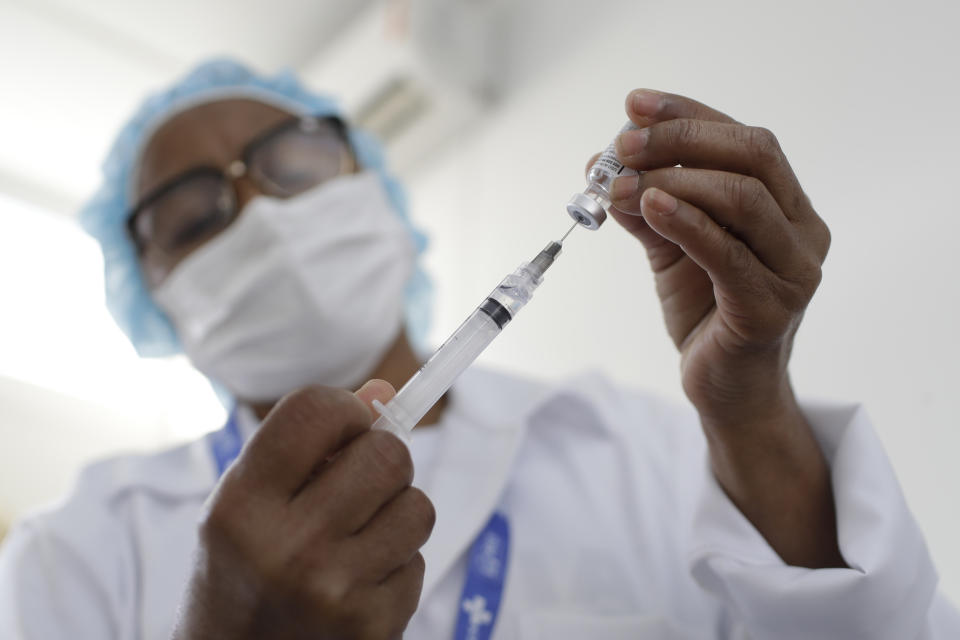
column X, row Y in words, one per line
column 71, row 387
column 54, row 435
column 864, row 98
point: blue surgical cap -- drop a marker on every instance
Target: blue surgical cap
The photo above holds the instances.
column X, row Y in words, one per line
column 104, row 217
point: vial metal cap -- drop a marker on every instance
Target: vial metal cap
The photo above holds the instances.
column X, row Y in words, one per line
column 586, row 211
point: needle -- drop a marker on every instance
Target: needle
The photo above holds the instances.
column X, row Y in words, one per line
column 575, row 225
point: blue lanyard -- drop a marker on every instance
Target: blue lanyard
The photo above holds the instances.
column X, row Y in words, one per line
column 226, row 443
column 486, row 563
column 486, row 576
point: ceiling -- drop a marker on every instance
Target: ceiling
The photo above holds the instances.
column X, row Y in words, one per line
column 73, row 70
column 281, row 32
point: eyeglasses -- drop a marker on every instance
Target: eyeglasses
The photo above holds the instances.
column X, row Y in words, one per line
column 194, row 206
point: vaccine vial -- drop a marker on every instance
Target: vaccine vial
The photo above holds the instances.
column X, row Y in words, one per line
column 589, row 208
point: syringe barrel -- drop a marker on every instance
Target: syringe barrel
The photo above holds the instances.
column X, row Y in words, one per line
column 425, row 388
column 433, row 379
column 589, row 207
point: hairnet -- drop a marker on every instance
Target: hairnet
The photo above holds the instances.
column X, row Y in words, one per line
column 104, row 216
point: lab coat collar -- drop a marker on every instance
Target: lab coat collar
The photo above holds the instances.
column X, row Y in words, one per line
column 482, row 430
column 485, row 423
column 496, row 400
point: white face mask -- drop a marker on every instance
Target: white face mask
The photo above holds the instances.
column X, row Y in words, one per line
column 296, row 291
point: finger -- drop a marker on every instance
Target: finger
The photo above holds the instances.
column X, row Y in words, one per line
column 590, row 163
column 645, row 106
column 661, row 253
column 367, row 474
column 400, row 594
column 375, row 390
column 740, row 204
column 303, row 430
column 728, row 261
column 378, row 610
column 394, row 534
column 700, row 144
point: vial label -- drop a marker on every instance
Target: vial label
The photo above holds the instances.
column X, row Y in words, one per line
column 607, row 164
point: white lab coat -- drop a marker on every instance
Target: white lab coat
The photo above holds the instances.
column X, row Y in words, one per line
column 618, row 530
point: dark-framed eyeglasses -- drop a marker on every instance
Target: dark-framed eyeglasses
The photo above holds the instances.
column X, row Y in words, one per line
column 192, row 207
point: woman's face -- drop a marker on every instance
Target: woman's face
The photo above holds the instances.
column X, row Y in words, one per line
column 187, row 173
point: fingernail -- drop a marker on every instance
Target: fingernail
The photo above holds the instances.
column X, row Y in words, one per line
column 369, row 384
column 373, row 385
column 647, row 102
column 659, row 202
column 624, row 187
column 632, row 142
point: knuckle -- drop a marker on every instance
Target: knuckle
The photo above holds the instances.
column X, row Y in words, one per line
column 418, row 565
column 702, row 225
column 212, row 526
column 299, row 404
column 812, row 275
column 415, row 570
column 816, row 277
column 763, row 142
column 411, row 587
column 422, row 508
column 315, row 399
column 412, row 580
column 226, row 539
column 793, row 298
column 391, row 456
column 738, row 255
column 685, row 131
column 796, row 291
column 328, row 593
column 217, row 523
column 802, row 205
column 826, row 238
column 313, row 405
column 746, row 192
column 302, row 399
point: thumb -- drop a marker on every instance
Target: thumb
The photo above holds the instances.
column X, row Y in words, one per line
column 375, row 390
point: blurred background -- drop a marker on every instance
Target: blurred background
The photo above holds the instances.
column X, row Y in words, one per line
column 489, row 110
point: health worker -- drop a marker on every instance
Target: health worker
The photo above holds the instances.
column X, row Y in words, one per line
column 244, row 223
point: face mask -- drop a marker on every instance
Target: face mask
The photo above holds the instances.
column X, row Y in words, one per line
column 296, row 291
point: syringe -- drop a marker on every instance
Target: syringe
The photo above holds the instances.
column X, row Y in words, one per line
column 401, row 414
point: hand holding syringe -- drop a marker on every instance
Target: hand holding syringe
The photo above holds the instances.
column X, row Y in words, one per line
column 427, row 386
